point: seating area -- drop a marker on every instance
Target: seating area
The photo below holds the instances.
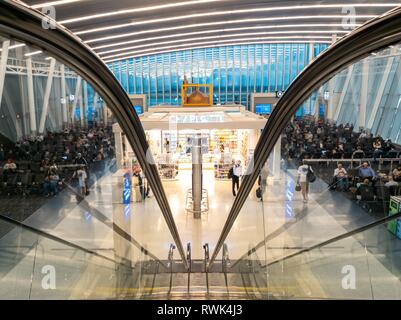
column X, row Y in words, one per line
column 39, row 165
column 364, row 167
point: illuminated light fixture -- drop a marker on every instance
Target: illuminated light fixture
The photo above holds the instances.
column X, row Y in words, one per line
column 33, row 53
column 124, row 35
column 202, row 44
column 134, row 10
column 212, row 46
column 15, row 46
column 217, row 31
column 228, row 13
column 233, row 21
column 212, row 37
column 53, row 3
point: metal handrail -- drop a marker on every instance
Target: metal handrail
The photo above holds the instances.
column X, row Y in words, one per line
column 337, row 238
column 189, row 259
column 374, row 35
column 206, row 262
column 56, row 239
column 18, row 21
column 170, row 264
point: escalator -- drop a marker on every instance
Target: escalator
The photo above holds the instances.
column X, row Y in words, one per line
column 288, row 252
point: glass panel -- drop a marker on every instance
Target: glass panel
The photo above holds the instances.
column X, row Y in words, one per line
column 336, row 168
column 67, row 168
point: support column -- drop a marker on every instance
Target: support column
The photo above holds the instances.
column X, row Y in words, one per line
column 95, row 107
column 119, row 146
column 197, row 176
column 31, row 97
column 364, row 94
column 63, row 97
column 77, row 97
column 105, row 116
column 277, row 160
column 344, row 92
column 46, row 97
column 83, row 107
column 380, row 90
column 311, row 52
column 3, row 66
column 316, row 105
column 330, row 104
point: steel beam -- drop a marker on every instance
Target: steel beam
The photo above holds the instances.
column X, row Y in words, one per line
column 31, row 98
column 3, row 66
column 46, row 97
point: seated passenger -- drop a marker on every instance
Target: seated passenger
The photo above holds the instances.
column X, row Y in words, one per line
column 391, row 182
column 377, row 149
column 358, row 153
column 10, row 166
column 1, row 153
column 365, row 191
column 366, row 171
column 341, row 177
column 51, row 183
column 397, row 174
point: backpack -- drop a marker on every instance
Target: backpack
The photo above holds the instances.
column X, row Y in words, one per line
column 230, row 173
column 259, row 193
column 310, row 175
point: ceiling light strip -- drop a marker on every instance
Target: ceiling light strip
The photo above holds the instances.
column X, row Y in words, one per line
column 213, row 46
column 135, row 10
column 33, row 53
column 190, row 26
column 191, row 16
column 217, row 42
column 153, row 44
column 177, row 35
column 53, row 3
column 230, row 12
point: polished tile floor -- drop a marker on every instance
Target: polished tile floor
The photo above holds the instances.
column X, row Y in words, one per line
column 282, row 222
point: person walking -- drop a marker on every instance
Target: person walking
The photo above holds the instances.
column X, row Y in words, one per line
column 264, row 173
column 303, row 181
column 82, row 177
column 237, row 174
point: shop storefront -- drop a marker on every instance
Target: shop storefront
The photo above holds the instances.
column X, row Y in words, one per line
column 228, row 134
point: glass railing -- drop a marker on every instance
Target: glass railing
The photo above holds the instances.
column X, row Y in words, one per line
column 335, row 168
column 39, row 266
column 68, row 169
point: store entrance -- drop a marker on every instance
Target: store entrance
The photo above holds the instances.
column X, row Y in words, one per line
column 172, row 150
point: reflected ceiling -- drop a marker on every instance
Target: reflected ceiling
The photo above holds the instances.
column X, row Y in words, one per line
column 120, row 29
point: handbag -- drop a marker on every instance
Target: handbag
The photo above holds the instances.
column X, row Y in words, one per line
column 310, row 176
column 298, row 187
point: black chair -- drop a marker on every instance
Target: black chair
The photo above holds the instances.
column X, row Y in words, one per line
column 35, row 167
column 394, row 190
column 11, row 183
column 383, row 193
column 367, row 197
column 38, row 181
column 26, row 183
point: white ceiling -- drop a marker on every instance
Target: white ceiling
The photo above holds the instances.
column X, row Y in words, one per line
column 118, row 29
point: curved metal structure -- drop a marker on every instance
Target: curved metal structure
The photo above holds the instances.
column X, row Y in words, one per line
column 19, row 22
column 374, row 35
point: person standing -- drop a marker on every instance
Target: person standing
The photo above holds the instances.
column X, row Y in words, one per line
column 264, row 173
column 303, row 181
column 82, row 177
column 237, row 173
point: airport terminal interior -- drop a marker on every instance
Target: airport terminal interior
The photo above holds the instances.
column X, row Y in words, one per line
column 200, row 149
